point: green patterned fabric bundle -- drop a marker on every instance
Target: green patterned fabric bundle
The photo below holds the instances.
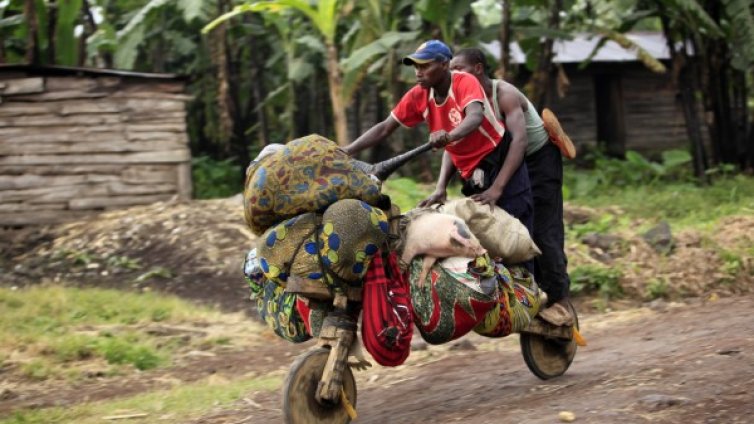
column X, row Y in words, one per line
column 278, row 309
column 448, row 305
column 519, row 300
column 334, row 249
column 307, row 175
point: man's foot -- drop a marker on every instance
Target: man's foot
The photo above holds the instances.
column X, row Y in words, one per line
column 557, row 314
column 557, row 135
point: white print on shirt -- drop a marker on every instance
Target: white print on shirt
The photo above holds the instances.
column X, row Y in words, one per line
column 455, row 117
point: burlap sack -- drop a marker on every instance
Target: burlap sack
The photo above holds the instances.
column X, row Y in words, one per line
column 500, row 233
column 307, row 175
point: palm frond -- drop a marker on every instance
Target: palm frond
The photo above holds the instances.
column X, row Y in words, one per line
column 642, row 55
column 695, row 10
column 191, row 8
column 741, row 32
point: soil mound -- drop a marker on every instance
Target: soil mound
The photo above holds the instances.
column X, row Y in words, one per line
column 193, row 249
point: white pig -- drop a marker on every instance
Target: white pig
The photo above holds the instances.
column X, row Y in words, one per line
column 438, row 235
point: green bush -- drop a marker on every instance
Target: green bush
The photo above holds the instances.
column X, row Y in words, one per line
column 634, row 170
column 215, row 178
column 657, row 288
column 591, row 278
column 74, row 348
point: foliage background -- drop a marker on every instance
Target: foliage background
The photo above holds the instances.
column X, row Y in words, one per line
column 270, row 71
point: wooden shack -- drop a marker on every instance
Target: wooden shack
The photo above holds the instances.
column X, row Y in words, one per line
column 74, row 141
column 613, row 99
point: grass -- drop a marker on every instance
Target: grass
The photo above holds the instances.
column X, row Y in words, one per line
column 682, row 204
column 407, row 193
column 50, row 328
column 179, row 404
column 605, row 281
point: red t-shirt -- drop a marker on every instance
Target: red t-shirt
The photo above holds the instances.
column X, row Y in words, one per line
column 418, row 105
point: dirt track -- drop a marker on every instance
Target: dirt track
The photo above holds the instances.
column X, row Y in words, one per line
column 670, row 364
column 690, row 364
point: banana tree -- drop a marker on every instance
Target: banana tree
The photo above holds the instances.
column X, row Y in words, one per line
column 446, row 15
column 324, row 17
column 39, row 32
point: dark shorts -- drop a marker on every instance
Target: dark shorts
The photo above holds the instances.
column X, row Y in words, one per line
column 545, row 168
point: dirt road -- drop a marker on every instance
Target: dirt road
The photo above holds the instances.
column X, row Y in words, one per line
column 670, row 363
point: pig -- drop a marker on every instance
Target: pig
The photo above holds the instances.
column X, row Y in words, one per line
column 438, row 235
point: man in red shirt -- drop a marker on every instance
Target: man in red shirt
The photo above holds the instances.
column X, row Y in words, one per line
column 460, row 119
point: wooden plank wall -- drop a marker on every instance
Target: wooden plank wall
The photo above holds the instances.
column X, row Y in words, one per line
column 70, row 145
column 653, row 118
column 576, row 110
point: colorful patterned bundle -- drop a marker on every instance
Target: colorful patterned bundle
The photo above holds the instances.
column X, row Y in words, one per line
column 275, row 307
column 334, row 249
column 307, row 175
column 278, row 309
column 519, row 301
column 446, row 307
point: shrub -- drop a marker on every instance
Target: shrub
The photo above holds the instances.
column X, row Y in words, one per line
column 74, row 348
column 119, row 351
column 657, row 288
column 591, row 278
column 634, row 170
column 215, row 178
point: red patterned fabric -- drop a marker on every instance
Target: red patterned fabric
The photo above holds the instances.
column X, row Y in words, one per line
column 305, row 311
column 387, row 324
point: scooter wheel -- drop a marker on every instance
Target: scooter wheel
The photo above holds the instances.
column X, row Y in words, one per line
column 548, row 357
column 300, row 404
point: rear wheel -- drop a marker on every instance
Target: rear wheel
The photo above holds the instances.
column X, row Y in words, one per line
column 549, row 357
column 300, row 405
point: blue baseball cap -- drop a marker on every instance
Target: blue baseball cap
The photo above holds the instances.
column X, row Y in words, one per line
column 429, row 51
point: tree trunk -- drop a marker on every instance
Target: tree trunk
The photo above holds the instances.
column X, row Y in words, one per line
column 693, row 124
column 684, row 81
column 257, row 91
column 220, row 60
column 539, row 85
column 52, row 20
column 32, row 40
column 335, row 81
column 740, row 115
column 750, row 149
column 505, row 41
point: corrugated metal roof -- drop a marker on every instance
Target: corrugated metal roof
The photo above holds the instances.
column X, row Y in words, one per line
column 72, row 70
column 581, row 46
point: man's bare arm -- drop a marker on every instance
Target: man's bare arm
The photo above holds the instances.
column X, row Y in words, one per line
column 373, row 136
column 515, row 122
column 440, row 195
column 472, row 120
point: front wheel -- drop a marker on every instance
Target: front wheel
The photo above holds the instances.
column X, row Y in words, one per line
column 300, row 404
column 549, row 357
